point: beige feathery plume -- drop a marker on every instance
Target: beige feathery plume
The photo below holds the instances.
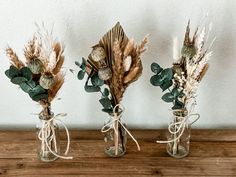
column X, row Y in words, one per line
column 136, row 67
column 58, row 65
column 32, row 50
column 60, row 58
column 59, row 80
column 203, row 72
column 129, row 48
column 141, row 48
column 14, row 58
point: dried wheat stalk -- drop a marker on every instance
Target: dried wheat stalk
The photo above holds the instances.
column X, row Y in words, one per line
column 32, row 50
column 14, row 58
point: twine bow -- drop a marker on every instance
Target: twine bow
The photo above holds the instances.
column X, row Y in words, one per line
column 176, row 127
column 111, row 124
column 47, row 134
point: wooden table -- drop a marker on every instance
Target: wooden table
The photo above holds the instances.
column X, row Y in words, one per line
column 212, row 153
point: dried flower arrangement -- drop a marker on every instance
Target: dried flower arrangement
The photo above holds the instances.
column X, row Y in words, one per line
column 182, row 79
column 40, row 75
column 114, row 63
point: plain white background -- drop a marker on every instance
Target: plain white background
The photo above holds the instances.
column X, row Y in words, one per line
column 81, row 23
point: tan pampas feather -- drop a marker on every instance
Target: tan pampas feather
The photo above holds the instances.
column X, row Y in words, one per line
column 59, row 58
column 14, row 58
column 203, row 72
column 59, row 80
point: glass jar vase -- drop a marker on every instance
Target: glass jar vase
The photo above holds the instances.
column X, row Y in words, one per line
column 48, row 141
column 115, row 135
column 178, row 137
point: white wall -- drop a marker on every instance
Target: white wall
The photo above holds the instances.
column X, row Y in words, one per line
column 81, row 23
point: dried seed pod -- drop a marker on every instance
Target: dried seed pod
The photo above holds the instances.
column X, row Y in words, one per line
column 36, row 66
column 188, row 51
column 98, row 54
column 47, row 80
column 104, row 73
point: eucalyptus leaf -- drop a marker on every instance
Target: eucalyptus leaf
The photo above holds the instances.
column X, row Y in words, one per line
column 167, row 74
column 38, row 90
column 81, row 74
column 106, row 102
column 13, row 72
column 156, row 80
column 77, row 63
column 175, row 92
column 178, row 104
column 109, row 111
column 106, row 92
column 96, row 81
column 89, row 88
column 25, row 87
column 39, row 97
column 166, row 85
column 18, row 80
column 83, row 64
column 7, row 73
column 26, row 72
column 156, row 68
column 168, row 97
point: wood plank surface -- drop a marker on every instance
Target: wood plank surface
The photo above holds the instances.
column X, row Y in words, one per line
column 212, row 153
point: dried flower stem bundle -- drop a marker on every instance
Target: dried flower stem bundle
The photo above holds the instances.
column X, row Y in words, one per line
column 114, row 61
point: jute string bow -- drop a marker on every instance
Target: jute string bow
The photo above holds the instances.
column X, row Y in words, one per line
column 116, row 117
column 47, row 134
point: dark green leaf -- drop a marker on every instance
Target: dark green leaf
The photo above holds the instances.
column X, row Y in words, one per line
column 109, row 111
column 106, row 92
column 25, row 87
column 167, row 74
column 89, row 88
column 77, row 63
column 18, row 80
column 13, row 72
column 156, row 80
column 178, row 104
column 81, row 74
column 175, row 92
column 106, row 102
column 83, row 65
column 168, row 97
column 166, row 85
column 38, row 90
column 156, row 68
column 31, row 83
column 96, row 81
column 39, row 97
column 7, row 73
column 26, row 72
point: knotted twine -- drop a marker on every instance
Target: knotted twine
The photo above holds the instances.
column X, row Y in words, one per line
column 47, row 134
column 111, row 124
column 181, row 124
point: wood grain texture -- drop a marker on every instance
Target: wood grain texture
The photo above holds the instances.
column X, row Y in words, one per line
column 212, row 153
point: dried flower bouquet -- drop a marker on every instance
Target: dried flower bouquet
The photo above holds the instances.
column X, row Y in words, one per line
column 114, row 63
column 181, row 82
column 40, row 76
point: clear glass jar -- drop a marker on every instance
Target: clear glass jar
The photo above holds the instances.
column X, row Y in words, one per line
column 179, row 137
column 115, row 137
column 48, row 141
